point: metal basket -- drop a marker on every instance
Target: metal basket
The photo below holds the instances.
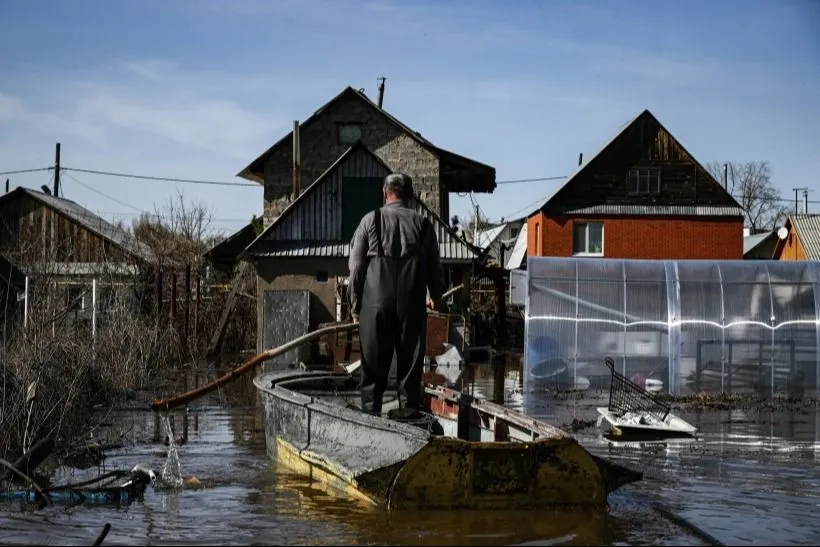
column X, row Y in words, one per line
column 627, row 396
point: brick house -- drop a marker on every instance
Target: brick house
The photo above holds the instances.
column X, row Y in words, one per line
column 301, row 257
column 643, row 196
column 350, row 117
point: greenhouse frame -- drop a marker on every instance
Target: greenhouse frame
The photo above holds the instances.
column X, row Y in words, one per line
column 742, row 327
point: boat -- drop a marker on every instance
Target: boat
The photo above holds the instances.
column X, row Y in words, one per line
column 461, row 452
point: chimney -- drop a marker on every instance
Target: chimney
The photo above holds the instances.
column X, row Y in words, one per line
column 7, row 186
column 381, row 91
column 580, row 159
column 296, row 159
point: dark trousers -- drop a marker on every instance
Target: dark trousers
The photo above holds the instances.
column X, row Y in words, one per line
column 384, row 332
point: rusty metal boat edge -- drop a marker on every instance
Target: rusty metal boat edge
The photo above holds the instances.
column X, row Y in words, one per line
column 482, row 456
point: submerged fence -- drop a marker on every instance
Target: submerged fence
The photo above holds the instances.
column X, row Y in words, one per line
column 692, row 326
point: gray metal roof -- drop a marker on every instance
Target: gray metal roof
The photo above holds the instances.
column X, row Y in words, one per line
column 808, row 231
column 310, row 226
column 451, row 248
column 660, row 210
column 92, row 222
column 750, row 242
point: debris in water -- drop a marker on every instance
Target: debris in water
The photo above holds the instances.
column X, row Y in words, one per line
column 193, row 483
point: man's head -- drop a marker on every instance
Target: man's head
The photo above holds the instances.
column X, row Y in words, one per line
column 397, row 187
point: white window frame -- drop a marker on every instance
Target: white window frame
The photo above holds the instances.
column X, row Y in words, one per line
column 586, row 225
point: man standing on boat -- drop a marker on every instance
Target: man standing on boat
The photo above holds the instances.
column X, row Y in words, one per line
column 395, row 274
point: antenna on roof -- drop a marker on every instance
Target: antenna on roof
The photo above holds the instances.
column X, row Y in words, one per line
column 805, row 198
column 381, row 91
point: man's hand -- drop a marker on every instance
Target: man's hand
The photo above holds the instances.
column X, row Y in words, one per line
column 355, row 318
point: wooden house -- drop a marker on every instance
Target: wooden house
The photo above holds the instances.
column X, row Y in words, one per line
column 301, row 258
column 800, row 238
column 643, row 196
column 352, row 117
column 55, row 240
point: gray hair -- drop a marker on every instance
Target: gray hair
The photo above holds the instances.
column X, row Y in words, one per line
column 399, row 184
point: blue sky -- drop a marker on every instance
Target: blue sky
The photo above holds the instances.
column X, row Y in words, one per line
column 198, row 88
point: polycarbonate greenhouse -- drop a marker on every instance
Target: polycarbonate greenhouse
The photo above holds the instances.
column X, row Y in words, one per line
column 682, row 327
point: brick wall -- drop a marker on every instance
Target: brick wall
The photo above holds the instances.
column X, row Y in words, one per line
column 663, row 238
column 320, row 148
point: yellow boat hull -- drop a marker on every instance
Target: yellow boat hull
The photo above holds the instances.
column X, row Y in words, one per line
column 451, row 473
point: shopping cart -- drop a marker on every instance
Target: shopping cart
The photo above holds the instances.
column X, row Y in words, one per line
column 626, row 396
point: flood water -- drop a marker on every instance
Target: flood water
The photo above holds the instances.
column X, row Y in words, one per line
column 751, row 480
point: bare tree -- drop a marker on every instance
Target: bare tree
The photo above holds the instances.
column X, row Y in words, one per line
column 751, row 185
column 178, row 234
column 468, row 226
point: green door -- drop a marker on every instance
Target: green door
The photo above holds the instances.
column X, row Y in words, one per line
column 360, row 195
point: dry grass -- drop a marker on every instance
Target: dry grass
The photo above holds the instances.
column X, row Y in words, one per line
column 60, row 381
column 53, row 380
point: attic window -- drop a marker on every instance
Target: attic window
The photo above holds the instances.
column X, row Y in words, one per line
column 644, row 181
column 349, row 133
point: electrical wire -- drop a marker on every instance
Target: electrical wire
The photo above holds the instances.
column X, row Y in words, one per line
column 84, row 185
column 161, row 179
column 21, row 171
column 256, row 185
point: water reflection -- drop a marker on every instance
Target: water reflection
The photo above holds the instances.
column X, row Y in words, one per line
column 366, row 525
column 751, row 479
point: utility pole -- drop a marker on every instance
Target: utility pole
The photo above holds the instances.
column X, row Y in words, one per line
column 57, row 171
column 805, row 196
column 806, row 200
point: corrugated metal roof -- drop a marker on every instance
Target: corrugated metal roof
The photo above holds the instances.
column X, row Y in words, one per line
column 90, row 222
column 663, row 210
column 808, row 230
column 311, row 225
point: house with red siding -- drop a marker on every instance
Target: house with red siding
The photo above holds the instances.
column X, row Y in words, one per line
column 643, row 196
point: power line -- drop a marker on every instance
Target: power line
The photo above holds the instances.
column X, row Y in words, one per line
column 538, row 179
column 81, row 183
column 162, row 179
column 21, row 171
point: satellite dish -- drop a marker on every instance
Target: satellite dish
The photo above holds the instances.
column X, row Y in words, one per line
column 782, row 232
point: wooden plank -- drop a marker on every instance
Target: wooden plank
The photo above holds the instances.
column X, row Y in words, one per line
column 236, row 282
